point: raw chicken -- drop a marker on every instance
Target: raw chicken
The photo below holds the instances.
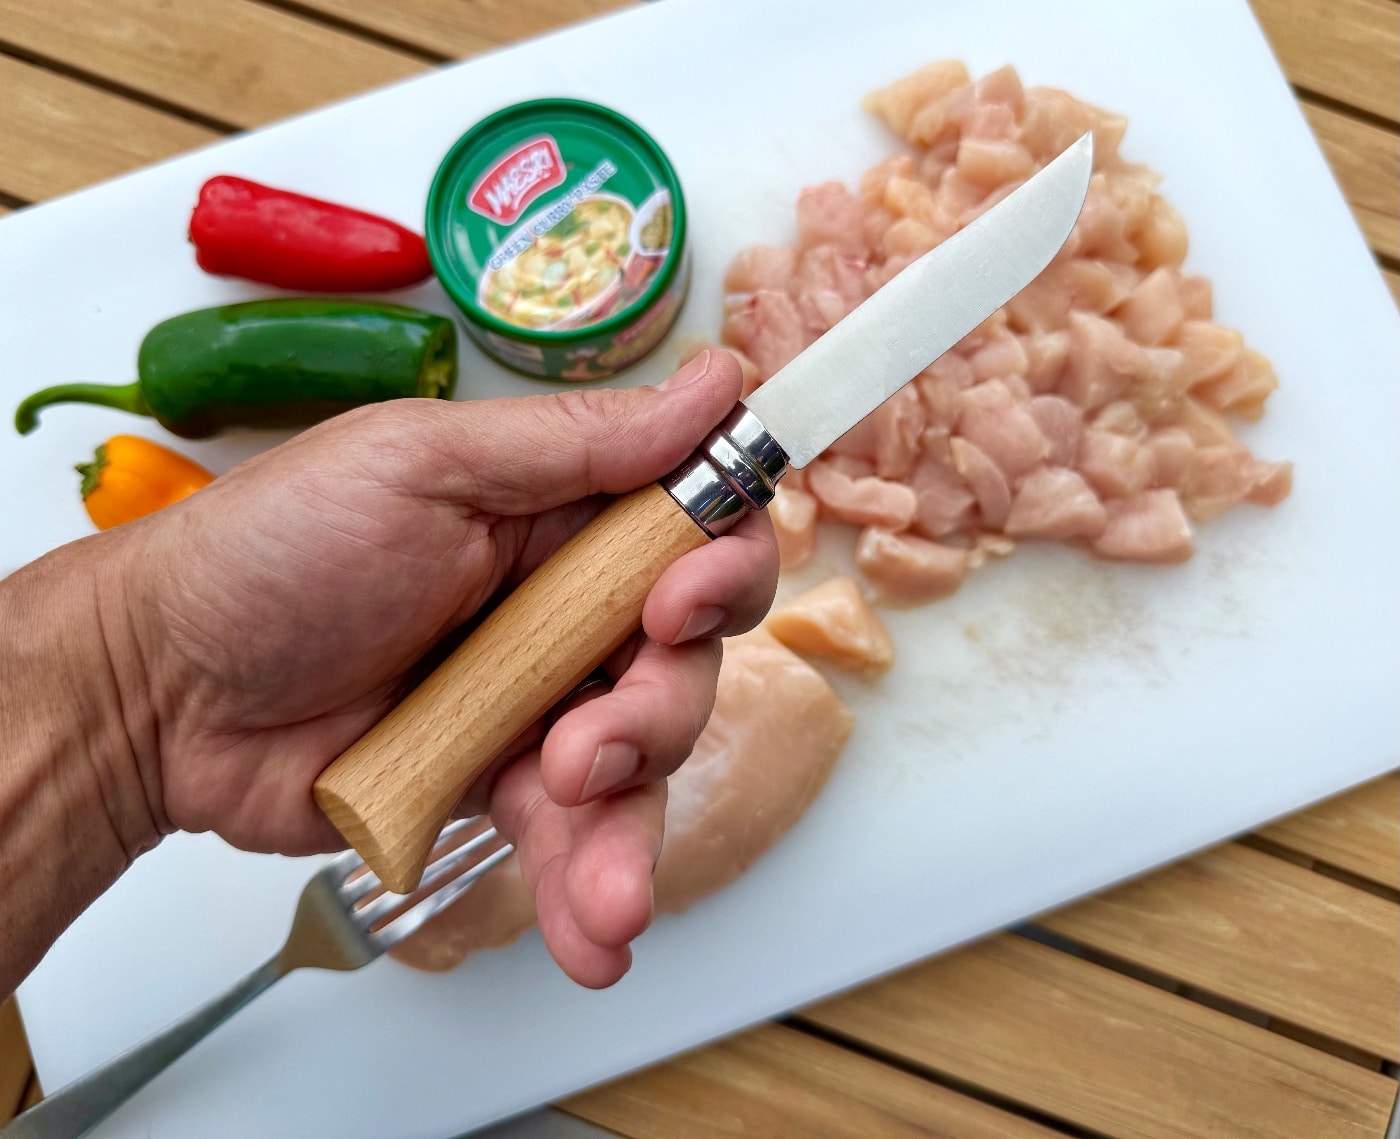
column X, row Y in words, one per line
column 1091, row 408
column 833, row 621
column 775, row 734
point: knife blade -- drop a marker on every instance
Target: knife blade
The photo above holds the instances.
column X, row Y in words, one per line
column 390, row 792
column 923, row 311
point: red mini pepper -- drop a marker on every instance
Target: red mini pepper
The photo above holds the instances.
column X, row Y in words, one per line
column 242, row 229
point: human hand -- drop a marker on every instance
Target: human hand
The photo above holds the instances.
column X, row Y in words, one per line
column 281, row 611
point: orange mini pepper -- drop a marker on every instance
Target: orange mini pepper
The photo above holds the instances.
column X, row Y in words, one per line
column 130, row 476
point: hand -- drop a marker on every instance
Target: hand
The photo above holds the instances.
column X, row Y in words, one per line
column 281, row 611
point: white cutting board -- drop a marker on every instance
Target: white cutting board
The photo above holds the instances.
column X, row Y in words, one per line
column 1058, row 725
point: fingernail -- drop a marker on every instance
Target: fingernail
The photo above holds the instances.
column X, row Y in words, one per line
column 615, row 763
column 705, row 621
column 691, row 371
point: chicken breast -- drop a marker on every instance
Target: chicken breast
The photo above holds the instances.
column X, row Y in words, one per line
column 775, row 734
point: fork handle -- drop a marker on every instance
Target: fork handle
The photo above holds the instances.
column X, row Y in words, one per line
column 80, row 1106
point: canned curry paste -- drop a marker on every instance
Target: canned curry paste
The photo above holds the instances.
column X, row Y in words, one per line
column 559, row 229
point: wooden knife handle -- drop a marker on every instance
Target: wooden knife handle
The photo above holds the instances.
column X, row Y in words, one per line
column 393, row 790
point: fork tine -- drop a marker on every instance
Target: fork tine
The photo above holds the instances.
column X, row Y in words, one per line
column 387, row 902
column 347, row 862
column 411, row 920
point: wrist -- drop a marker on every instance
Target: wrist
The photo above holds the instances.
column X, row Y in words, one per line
column 75, row 807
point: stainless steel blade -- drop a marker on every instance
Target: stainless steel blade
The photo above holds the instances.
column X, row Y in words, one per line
column 905, row 326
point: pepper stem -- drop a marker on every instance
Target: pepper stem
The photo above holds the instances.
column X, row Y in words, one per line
column 92, row 472
column 124, row 397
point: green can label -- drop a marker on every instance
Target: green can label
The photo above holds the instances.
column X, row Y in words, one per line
column 558, row 227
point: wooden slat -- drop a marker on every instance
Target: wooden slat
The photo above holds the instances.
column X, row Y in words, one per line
column 32, row 1094
column 1348, row 50
column 465, row 27
column 15, row 1065
column 777, row 1083
column 1262, row 932
column 1392, row 278
column 1358, row 831
column 1364, row 159
column 229, row 60
column 1092, row 1047
column 58, row 135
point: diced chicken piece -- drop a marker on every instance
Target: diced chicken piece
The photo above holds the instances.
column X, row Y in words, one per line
column 985, row 479
column 1205, row 426
column 909, row 568
column 954, row 366
column 877, row 220
column 866, row 501
column 761, row 267
column 834, row 622
column 1270, row 483
column 1161, row 238
column 1211, row 350
column 942, row 399
column 1103, row 363
column 825, row 268
column 908, row 239
column 771, row 742
column 768, row 328
column 1094, row 286
column 874, row 180
column 910, row 198
column 1148, row 527
column 1001, row 428
column 990, row 122
column 1046, row 356
column 942, row 117
column 1243, row 389
column 1051, row 120
column 898, row 103
column 1121, row 418
column 1171, row 450
column 794, row 516
column 1197, row 297
column 1217, row 479
column 1114, row 464
column 1131, row 193
column 1017, row 386
column 1001, row 86
column 1109, row 130
column 829, row 214
column 1103, row 227
column 993, row 545
column 991, row 162
column 944, row 505
column 1158, row 397
column 1153, row 312
column 1062, row 424
column 1042, row 306
column 986, row 332
column 956, row 195
column 1003, row 355
column 1055, row 504
column 898, row 424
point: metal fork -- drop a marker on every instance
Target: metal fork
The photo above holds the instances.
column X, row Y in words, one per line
column 340, row 923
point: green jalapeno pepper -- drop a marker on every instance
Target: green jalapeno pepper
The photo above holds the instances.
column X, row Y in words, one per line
column 273, row 363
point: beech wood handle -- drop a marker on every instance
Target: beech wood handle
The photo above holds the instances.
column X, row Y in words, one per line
column 393, row 790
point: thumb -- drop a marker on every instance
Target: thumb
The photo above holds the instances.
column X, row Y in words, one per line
column 524, row 455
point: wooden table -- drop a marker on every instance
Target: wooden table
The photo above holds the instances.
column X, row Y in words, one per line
column 1249, row 991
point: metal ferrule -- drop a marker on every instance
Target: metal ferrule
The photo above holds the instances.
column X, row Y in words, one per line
column 735, row 470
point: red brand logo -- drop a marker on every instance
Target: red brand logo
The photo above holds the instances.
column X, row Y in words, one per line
column 517, row 179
